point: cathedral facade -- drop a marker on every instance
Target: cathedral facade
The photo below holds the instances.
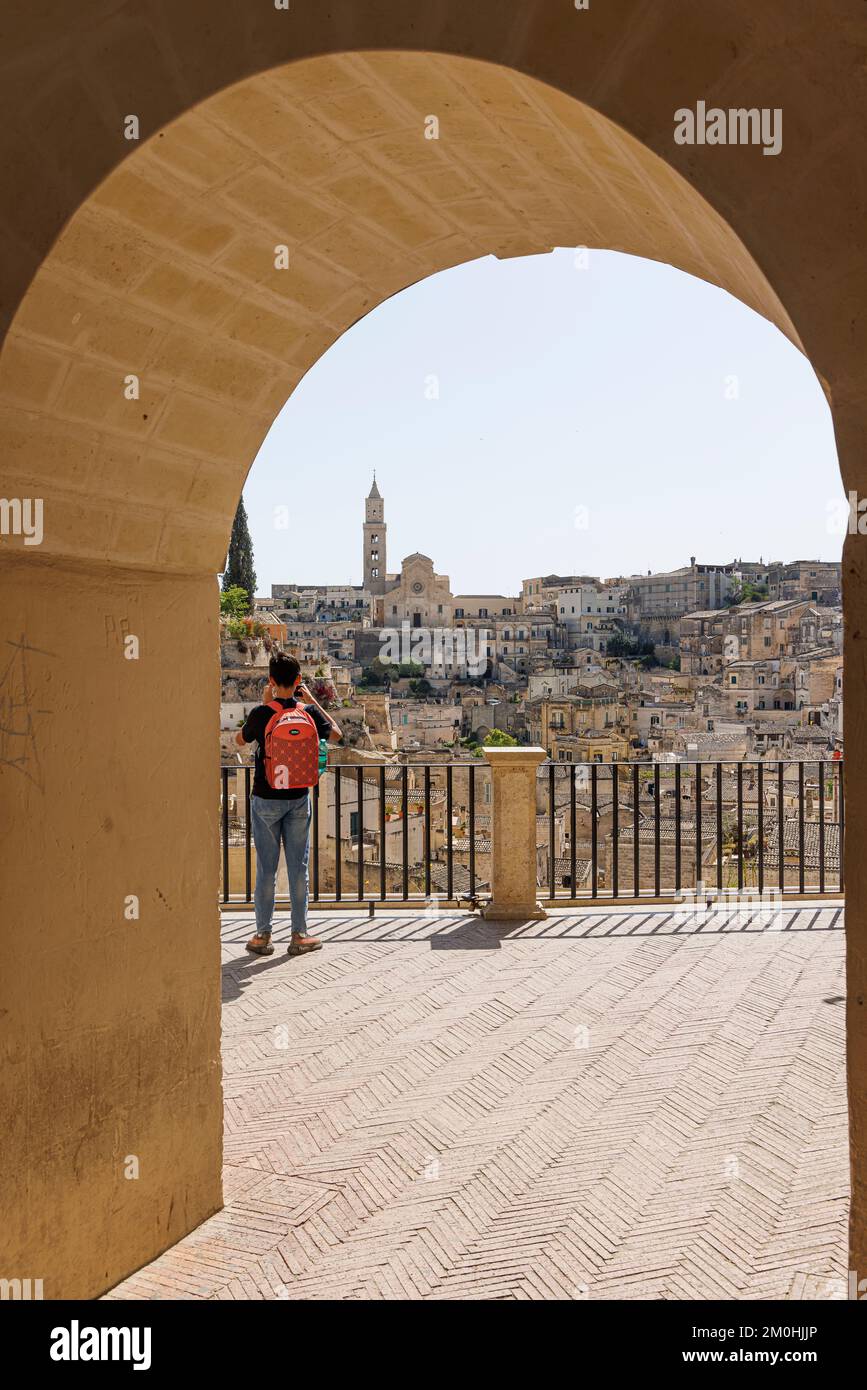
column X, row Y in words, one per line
column 416, row 595
column 418, row 600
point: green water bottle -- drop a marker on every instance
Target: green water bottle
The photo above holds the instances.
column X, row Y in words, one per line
column 323, row 755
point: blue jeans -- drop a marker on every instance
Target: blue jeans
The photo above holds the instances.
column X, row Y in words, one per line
column 276, row 822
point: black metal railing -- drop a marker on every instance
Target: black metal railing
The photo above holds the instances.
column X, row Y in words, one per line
column 384, row 833
column 409, row 833
column 651, row 830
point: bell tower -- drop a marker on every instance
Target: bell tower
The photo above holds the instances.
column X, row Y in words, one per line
column 374, row 541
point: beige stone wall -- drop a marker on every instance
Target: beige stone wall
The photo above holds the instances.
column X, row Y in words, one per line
column 109, row 1027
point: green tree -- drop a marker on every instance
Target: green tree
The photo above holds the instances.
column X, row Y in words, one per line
column 376, row 673
column 748, row 592
column 629, row 647
column 234, row 601
column 498, row 739
column 239, row 572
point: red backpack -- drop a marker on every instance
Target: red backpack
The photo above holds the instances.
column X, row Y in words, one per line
column 291, row 749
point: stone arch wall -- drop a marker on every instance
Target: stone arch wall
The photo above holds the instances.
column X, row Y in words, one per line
column 163, row 285
column 156, row 260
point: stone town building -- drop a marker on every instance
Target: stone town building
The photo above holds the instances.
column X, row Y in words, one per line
column 649, row 717
column 425, row 724
column 657, row 602
column 571, row 714
column 521, row 643
column 591, row 613
column 321, row 602
column 831, row 713
column 481, row 717
column 565, row 678
column 591, row 746
column 543, row 591
column 821, row 627
column 816, row 580
column 483, row 608
column 756, row 631
column 815, row 680
column 710, row 639
column 758, row 685
column 306, row 641
column 702, row 635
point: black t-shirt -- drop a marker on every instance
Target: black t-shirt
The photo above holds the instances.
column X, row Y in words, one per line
column 254, row 732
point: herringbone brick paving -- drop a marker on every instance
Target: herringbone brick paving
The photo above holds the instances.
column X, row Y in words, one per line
column 601, row 1105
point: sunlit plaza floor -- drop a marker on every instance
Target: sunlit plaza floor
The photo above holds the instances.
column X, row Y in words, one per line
column 600, row 1105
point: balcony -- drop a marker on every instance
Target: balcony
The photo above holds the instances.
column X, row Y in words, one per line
column 600, row 1105
column 567, row 1090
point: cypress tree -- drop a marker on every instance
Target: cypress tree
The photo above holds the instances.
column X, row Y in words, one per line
column 239, row 562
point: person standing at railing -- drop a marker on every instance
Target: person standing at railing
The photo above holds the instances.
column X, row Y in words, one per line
column 287, row 735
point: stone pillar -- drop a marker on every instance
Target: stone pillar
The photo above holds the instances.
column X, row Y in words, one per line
column 515, row 896
column 110, row 954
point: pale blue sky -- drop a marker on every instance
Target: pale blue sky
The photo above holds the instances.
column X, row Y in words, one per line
column 559, row 388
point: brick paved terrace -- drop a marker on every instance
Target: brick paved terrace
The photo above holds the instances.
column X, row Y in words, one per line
column 602, row 1105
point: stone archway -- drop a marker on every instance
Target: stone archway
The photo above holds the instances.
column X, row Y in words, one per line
column 153, row 341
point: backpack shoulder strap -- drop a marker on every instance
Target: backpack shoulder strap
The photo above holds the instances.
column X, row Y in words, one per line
column 310, row 717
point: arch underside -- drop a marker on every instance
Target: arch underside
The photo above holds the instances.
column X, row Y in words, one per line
column 162, row 334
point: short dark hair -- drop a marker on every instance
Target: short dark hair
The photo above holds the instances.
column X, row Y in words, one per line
column 283, row 670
